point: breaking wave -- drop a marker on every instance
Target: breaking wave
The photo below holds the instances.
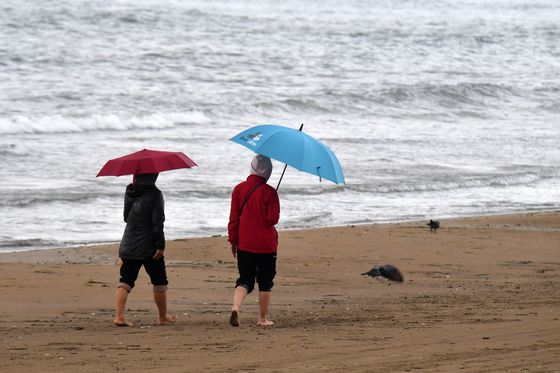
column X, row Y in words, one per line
column 462, row 182
column 463, row 99
column 110, row 122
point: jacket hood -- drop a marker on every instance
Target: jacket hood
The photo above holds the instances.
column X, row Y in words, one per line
column 135, row 191
column 261, row 166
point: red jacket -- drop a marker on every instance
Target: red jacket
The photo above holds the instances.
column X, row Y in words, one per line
column 254, row 231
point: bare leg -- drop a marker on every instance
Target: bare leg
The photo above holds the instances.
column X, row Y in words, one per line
column 120, row 300
column 161, row 302
column 264, row 301
column 238, row 297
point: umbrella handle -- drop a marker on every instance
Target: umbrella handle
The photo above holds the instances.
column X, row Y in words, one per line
column 319, row 173
column 279, row 181
column 285, row 166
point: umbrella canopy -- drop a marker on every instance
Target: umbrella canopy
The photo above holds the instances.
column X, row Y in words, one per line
column 294, row 148
column 146, row 162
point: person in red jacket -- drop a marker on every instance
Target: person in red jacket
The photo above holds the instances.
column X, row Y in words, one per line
column 255, row 210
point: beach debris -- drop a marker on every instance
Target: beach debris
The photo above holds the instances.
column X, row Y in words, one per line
column 388, row 271
column 434, row 225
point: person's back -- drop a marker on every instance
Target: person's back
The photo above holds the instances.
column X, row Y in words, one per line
column 144, row 215
column 253, row 228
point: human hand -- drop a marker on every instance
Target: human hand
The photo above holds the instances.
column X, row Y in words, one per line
column 234, row 248
column 158, row 255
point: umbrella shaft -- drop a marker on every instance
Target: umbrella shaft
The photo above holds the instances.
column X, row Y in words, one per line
column 281, row 176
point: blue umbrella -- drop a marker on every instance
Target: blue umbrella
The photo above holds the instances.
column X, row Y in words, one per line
column 294, row 148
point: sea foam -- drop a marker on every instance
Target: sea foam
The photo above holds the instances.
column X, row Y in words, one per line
column 59, row 124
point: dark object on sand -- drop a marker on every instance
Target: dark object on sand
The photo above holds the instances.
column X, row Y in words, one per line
column 388, row 271
column 434, row 225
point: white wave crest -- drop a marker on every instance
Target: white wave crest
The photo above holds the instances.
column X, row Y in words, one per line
column 111, row 122
column 460, row 182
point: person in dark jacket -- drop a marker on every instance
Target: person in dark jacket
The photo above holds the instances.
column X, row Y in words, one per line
column 142, row 244
column 255, row 210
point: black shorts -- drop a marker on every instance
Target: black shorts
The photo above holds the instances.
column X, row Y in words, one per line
column 251, row 266
column 155, row 269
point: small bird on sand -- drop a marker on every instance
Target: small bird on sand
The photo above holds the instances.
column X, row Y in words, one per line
column 434, row 225
column 388, row 271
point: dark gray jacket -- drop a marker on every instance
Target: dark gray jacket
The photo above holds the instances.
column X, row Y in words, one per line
column 144, row 216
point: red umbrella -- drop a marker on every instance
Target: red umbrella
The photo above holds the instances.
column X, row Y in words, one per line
column 146, row 162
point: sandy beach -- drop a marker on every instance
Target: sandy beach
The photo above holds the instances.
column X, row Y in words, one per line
column 481, row 295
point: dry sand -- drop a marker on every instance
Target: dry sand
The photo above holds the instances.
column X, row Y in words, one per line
column 481, row 295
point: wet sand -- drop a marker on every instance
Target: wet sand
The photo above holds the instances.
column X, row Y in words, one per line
column 480, row 295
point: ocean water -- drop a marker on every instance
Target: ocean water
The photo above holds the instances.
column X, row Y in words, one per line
column 434, row 108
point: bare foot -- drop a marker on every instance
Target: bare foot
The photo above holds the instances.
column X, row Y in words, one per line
column 234, row 318
column 121, row 322
column 265, row 322
column 168, row 319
